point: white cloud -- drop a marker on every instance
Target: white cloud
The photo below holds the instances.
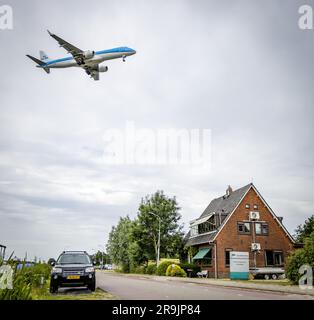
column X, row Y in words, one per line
column 243, row 70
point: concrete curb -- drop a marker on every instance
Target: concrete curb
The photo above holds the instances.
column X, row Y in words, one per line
column 253, row 286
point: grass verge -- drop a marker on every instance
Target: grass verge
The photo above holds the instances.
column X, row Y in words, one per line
column 71, row 294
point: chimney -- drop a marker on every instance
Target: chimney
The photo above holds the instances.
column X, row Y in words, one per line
column 229, row 191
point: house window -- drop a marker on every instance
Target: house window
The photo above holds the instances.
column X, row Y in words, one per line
column 255, row 206
column 244, row 227
column 227, row 257
column 278, row 258
column 247, row 206
column 261, row 228
column 264, row 228
column 273, row 258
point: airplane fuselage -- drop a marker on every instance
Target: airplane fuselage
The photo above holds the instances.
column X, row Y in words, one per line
column 98, row 57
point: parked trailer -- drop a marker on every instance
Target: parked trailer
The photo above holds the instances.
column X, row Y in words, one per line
column 268, row 273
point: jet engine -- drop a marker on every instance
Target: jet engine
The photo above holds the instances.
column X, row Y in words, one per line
column 88, row 54
column 102, row 69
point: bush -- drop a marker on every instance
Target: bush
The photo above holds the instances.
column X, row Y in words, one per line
column 21, row 289
column 35, row 275
column 139, row 269
column 124, row 268
column 162, row 268
column 151, row 268
column 188, row 266
column 174, row 270
column 300, row 257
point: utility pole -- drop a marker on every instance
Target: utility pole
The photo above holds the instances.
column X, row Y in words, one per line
column 158, row 243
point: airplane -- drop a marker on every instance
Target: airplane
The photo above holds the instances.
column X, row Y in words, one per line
column 88, row 60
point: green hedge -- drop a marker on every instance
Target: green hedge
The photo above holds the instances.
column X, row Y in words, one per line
column 151, row 268
column 162, row 268
column 174, row 270
column 139, row 269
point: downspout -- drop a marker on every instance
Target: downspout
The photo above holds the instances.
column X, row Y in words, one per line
column 216, row 261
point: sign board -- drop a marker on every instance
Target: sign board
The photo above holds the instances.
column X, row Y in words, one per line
column 239, row 265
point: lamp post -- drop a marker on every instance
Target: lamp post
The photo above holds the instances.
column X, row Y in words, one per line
column 158, row 243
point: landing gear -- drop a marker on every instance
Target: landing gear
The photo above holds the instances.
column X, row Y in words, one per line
column 123, row 58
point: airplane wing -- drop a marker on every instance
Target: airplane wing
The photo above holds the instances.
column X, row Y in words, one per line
column 92, row 71
column 70, row 48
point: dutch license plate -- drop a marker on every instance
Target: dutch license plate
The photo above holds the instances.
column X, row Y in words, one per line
column 73, row 277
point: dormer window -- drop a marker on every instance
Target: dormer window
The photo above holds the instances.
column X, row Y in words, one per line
column 194, row 231
column 203, row 225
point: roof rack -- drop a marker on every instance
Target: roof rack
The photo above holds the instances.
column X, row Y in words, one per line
column 74, row 251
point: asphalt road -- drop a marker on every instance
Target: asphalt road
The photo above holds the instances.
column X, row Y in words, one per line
column 141, row 288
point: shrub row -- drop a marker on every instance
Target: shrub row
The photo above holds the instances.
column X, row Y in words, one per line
column 161, row 270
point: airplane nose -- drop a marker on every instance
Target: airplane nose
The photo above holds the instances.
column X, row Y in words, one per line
column 134, row 51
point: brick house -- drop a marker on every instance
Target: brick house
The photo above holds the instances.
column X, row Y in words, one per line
column 232, row 223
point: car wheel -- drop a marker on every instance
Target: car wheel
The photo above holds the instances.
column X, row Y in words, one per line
column 266, row 277
column 274, row 277
column 53, row 289
column 92, row 286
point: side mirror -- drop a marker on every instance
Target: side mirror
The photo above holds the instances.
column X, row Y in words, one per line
column 52, row 262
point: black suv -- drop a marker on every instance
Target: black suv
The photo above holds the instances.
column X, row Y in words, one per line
column 73, row 269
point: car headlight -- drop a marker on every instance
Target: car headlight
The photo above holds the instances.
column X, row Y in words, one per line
column 56, row 270
column 90, row 269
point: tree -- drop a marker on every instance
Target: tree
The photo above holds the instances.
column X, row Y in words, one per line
column 99, row 257
column 118, row 246
column 146, row 227
column 301, row 257
column 305, row 230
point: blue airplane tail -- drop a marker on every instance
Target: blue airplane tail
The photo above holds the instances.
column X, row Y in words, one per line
column 40, row 63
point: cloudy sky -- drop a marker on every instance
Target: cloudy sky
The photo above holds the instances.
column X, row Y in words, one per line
column 242, row 69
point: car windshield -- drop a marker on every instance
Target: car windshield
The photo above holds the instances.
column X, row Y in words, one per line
column 74, row 259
